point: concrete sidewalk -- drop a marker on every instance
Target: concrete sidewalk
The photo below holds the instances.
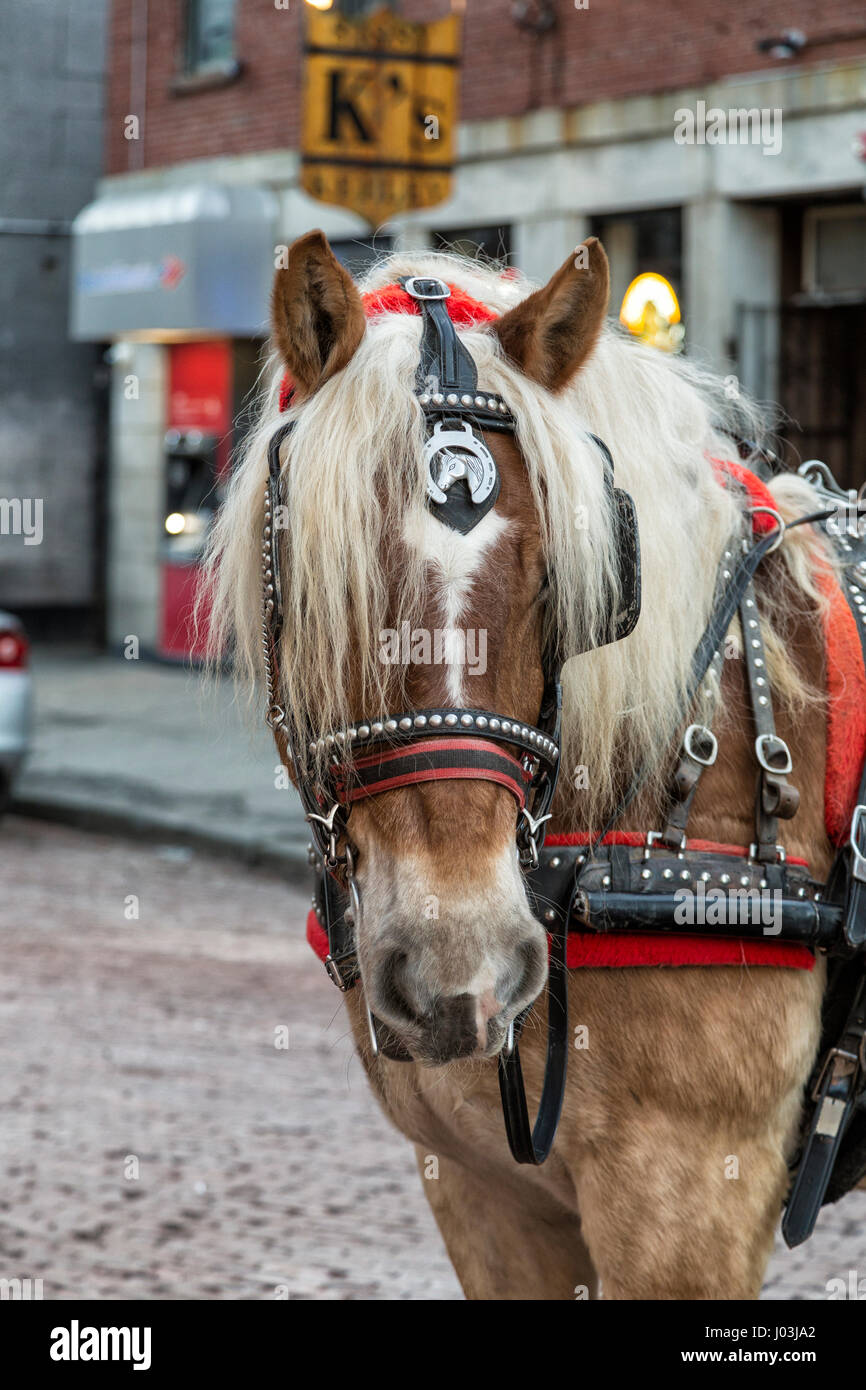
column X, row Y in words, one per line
column 150, row 750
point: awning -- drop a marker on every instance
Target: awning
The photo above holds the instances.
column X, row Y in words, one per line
column 196, row 259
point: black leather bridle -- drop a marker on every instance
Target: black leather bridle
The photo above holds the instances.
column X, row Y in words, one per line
column 601, row 888
column 384, row 751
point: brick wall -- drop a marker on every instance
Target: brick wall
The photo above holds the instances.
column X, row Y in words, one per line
column 613, row 48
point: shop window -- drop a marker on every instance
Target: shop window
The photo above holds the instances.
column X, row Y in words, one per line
column 360, row 253
column 485, row 243
column 210, row 34
column 638, row 243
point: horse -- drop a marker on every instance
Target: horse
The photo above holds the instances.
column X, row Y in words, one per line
column 684, row 1091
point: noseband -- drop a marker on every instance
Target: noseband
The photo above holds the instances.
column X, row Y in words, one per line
column 405, row 748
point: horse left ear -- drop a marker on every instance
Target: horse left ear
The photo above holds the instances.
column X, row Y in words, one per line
column 550, row 334
column 316, row 313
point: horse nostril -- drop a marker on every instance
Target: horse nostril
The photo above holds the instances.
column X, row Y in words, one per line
column 532, row 967
column 394, row 997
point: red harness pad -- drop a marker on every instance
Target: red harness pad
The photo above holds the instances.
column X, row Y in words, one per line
column 463, row 310
column 600, row 950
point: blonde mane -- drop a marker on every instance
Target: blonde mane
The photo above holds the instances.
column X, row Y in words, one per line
column 352, row 471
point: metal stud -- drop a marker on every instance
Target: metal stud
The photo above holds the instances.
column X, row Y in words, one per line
column 705, row 877
column 391, row 725
column 555, row 862
column 667, row 873
column 491, row 404
column 801, row 892
column 451, row 398
column 550, row 915
column 506, row 726
column 745, row 880
column 481, row 721
column 605, row 882
column 479, row 401
column 435, row 721
column 762, row 700
column 503, row 408
column 420, row 720
column 725, row 878
column 451, row 720
column 438, row 398
column 364, row 731
column 466, row 400
column 685, row 875
column 495, row 725
column 646, row 873
column 405, row 725
column 467, row 720
column 425, row 398
column 378, row 727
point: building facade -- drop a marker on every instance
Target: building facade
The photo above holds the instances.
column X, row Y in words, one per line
column 722, row 149
column 52, row 66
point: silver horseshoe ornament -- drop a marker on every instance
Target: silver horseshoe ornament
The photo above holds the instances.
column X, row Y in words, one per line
column 472, row 461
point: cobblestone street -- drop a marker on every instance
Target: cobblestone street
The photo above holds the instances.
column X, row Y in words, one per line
column 156, row 1144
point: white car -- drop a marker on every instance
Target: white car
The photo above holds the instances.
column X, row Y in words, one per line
column 16, row 703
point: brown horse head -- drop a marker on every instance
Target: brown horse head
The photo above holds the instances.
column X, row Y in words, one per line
column 449, row 949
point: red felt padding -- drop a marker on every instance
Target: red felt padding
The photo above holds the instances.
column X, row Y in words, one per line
column 463, row 310
column 846, row 711
column 588, row 951
column 758, row 492
column 635, row 838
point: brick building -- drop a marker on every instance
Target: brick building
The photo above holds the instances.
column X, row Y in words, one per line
column 569, row 119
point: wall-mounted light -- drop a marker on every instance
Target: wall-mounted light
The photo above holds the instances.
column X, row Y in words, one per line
column 320, row 4
column 537, row 16
column 651, row 311
column 788, row 46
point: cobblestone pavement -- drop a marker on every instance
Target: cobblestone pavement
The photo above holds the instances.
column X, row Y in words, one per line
column 147, row 1045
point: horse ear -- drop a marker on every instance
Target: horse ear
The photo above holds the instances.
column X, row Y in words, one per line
column 552, row 332
column 316, row 313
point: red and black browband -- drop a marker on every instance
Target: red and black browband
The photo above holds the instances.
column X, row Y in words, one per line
column 433, row 760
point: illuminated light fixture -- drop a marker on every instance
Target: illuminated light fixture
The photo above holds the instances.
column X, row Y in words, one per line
column 787, row 46
column 175, row 522
column 651, row 311
column 320, row 4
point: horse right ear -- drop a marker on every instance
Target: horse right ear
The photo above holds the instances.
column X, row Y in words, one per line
column 316, row 313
